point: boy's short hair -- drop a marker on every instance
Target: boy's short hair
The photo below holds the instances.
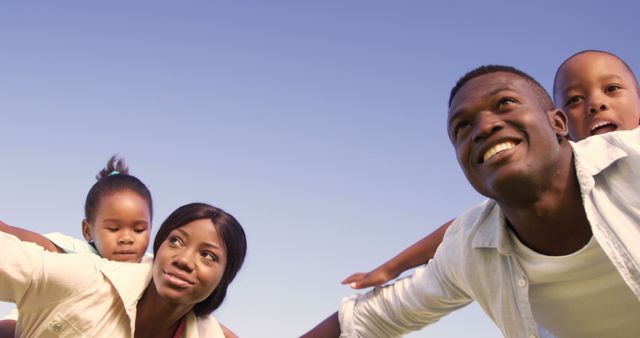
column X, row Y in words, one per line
column 555, row 77
column 544, row 100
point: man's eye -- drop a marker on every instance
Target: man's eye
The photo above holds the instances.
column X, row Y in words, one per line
column 460, row 127
column 573, row 100
column 505, row 101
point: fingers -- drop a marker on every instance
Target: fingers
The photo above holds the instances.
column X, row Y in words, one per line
column 361, row 280
column 353, row 278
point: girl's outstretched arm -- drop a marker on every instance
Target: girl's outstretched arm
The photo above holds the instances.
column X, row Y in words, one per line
column 417, row 254
column 30, row 236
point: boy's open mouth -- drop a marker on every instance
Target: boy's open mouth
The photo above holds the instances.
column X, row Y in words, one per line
column 603, row 127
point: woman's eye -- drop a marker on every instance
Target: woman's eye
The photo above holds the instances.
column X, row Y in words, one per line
column 175, row 241
column 573, row 100
column 209, row 255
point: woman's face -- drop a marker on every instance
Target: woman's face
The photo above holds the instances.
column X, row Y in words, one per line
column 189, row 263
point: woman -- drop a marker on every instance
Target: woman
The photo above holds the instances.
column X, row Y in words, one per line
column 198, row 251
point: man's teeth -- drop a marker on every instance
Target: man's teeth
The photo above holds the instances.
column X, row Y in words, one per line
column 498, row 148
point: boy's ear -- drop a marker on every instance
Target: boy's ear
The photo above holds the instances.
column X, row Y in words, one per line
column 86, row 230
column 558, row 121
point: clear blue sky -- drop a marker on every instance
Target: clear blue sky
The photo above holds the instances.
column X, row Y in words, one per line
column 319, row 124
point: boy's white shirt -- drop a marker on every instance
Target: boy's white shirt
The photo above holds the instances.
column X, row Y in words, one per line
column 99, row 302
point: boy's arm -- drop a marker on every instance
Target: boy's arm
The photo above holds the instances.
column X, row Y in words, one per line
column 415, row 255
column 7, row 328
column 329, row 327
column 30, row 236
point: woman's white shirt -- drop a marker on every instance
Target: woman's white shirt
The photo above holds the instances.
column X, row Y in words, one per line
column 78, row 295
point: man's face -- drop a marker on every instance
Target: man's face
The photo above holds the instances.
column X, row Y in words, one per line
column 598, row 94
column 501, row 134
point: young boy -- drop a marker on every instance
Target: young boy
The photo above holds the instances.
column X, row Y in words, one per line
column 597, row 91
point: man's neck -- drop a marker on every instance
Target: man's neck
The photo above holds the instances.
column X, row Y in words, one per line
column 552, row 221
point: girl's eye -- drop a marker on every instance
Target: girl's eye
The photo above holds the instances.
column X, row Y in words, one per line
column 139, row 231
column 175, row 241
column 209, row 255
column 573, row 100
column 112, row 229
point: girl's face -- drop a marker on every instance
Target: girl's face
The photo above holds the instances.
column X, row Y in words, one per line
column 598, row 93
column 121, row 227
column 189, row 263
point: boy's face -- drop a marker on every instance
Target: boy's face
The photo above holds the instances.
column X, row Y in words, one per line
column 501, row 134
column 598, row 94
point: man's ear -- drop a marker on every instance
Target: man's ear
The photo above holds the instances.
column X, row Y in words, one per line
column 558, row 121
column 86, row 230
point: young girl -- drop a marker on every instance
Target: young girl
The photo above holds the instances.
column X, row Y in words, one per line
column 599, row 93
column 118, row 213
column 198, row 251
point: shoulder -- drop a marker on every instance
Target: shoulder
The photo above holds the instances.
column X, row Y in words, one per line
column 615, row 154
column 70, row 244
column 479, row 227
column 128, row 279
column 466, row 225
column 206, row 326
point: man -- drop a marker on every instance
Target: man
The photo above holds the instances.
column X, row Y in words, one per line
column 555, row 249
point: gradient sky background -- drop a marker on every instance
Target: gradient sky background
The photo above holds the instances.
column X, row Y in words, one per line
column 319, row 124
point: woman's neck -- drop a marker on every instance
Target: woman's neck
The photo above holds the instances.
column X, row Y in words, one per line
column 156, row 317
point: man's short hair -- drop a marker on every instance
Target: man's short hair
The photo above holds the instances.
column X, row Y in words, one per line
column 544, row 100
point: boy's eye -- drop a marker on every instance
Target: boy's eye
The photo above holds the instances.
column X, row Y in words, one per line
column 112, row 229
column 611, row 88
column 573, row 100
column 139, row 231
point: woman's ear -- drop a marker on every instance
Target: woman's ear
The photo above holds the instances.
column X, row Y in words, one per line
column 86, row 230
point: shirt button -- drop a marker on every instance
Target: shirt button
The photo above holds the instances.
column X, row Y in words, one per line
column 522, row 282
column 57, row 326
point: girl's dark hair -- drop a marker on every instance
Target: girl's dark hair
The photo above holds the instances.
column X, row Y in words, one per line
column 232, row 235
column 111, row 179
